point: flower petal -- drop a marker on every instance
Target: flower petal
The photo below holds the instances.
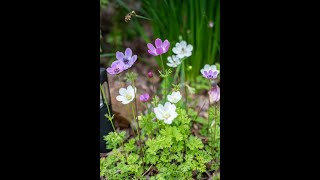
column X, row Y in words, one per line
column 152, row 53
column 176, row 50
column 189, row 47
column 166, row 45
column 120, row 98
column 168, row 121
column 151, row 47
column 128, row 52
column 110, row 70
column 178, row 46
column 188, row 54
column 158, row 43
column 213, row 67
column 206, row 67
column 126, row 102
column 133, row 59
column 183, row 44
column 214, row 74
column 129, row 88
column 116, row 63
column 207, row 73
column 159, row 51
column 180, row 56
column 158, row 113
column 202, row 71
column 119, row 55
column 174, row 115
column 141, row 98
column 167, row 106
column 161, row 108
column 130, row 99
column 123, row 91
column 173, row 108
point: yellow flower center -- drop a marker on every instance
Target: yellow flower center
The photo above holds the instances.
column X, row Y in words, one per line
column 128, row 97
column 166, row 115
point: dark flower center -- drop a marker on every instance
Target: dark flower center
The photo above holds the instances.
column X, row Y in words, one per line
column 210, row 76
column 125, row 60
column 116, row 70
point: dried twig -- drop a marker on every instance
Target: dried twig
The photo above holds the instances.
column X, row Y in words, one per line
column 209, row 175
column 195, row 118
column 147, row 171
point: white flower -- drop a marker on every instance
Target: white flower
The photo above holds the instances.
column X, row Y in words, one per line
column 182, row 49
column 126, row 95
column 209, row 72
column 167, row 113
column 174, row 97
column 174, row 61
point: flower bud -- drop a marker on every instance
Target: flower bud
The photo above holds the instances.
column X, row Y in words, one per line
column 150, row 75
column 214, row 94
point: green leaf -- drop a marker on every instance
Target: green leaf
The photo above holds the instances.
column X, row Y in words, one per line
column 132, row 158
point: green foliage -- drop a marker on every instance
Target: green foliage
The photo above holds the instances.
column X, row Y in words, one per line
column 131, row 76
column 176, row 87
column 114, row 139
column 130, row 146
column 155, row 101
column 171, row 149
column 168, row 151
column 194, row 143
column 189, row 21
column 200, row 84
column 103, row 3
column 166, row 73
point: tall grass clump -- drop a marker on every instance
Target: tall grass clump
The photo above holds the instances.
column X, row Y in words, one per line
column 195, row 21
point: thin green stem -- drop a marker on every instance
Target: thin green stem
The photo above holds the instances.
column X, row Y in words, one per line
column 165, row 79
column 133, row 113
column 153, row 85
column 215, row 122
column 142, row 17
column 107, row 55
column 185, row 82
column 183, row 87
column 138, row 128
column 107, row 104
column 146, row 105
column 176, row 73
column 110, row 118
column 120, row 83
column 162, row 64
column 128, row 109
column 208, row 120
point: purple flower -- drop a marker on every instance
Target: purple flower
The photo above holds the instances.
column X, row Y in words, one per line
column 144, row 97
column 160, row 48
column 214, row 94
column 126, row 59
column 210, row 72
column 116, row 68
column 150, row 75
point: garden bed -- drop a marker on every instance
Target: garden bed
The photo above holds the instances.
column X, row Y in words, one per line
column 178, row 131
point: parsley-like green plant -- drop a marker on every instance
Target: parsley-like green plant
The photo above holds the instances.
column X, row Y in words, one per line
column 173, row 142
